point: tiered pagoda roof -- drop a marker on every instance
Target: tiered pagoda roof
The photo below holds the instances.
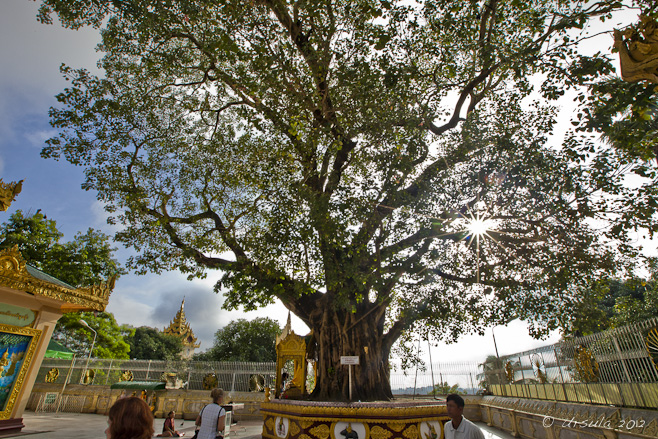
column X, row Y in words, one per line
column 181, row 329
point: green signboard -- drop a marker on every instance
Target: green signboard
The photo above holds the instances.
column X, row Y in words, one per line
column 16, row 315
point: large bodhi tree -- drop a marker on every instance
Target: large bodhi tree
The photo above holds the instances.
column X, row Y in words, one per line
column 381, row 167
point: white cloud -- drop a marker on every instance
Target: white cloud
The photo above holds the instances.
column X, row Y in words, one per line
column 100, row 217
column 38, row 138
column 129, row 311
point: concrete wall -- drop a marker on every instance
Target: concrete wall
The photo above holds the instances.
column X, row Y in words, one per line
column 186, row 403
column 528, row 418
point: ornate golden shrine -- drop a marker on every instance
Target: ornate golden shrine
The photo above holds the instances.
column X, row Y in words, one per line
column 291, row 347
column 17, row 275
column 371, row 420
column 31, row 302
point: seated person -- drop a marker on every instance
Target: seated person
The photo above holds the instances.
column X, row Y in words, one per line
column 284, row 384
column 169, row 427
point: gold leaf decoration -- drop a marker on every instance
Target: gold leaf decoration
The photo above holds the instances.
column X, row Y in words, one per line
column 378, row 432
column 321, row 431
column 396, row 426
column 52, row 375
column 294, row 428
column 651, row 430
column 411, row 432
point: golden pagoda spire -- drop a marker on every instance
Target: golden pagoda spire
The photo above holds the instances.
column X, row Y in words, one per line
column 180, row 328
column 286, row 330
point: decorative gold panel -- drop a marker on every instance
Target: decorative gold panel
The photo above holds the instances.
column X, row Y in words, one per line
column 209, row 381
column 294, row 428
column 321, row 431
column 52, row 375
column 411, row 432
column 270, row 424
column 15, row 359
column 396, row 426
column 378, row 432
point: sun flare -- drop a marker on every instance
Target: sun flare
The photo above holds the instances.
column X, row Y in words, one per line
column 478, row 226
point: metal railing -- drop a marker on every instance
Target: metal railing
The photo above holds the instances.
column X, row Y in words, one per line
column 443, row 377
column 614, row 367
column 232, row 376
column 236, row 376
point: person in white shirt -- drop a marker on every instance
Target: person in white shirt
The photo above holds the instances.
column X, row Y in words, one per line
column 458, row 427
column 212, row 418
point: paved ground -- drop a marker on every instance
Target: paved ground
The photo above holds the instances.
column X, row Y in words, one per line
column 85, row 426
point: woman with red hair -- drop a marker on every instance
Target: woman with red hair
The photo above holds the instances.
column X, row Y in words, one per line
column 130, row 418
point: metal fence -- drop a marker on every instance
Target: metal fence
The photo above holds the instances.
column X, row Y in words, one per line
column 614, row 367
column 232, row 376
column 54, row 402
column 443, row 377
column 237, row 376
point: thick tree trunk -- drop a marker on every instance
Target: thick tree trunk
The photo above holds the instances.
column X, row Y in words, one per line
column 351, row 334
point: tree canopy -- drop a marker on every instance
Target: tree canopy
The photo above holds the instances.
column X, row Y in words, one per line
column 148, row 343
column 110, row 342
column 244, row 340
column 378, row 166
column 611, row 303
column 86, row 260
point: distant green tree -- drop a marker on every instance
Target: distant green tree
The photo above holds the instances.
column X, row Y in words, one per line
column 445, row 389
column 244, row 340
column 86, row 260
column 110, row 342
column 492, row 372
column 150, row 344
column 35, row 235
column 641, row 305
column 612, row 303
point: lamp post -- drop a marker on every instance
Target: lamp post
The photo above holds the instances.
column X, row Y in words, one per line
column 86, row 325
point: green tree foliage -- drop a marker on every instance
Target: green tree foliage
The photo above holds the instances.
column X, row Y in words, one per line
column 150, row 344
column 86, row 260
column 612, row 303
column 493, row 372
column 110, row 342
column 244, row 340
column 443, row 389
column 338, row 156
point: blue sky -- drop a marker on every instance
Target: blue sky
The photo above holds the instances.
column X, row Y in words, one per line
column 31, row 54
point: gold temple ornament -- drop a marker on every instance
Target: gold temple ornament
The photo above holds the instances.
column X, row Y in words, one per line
column 8, row 192
column 638, row 51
